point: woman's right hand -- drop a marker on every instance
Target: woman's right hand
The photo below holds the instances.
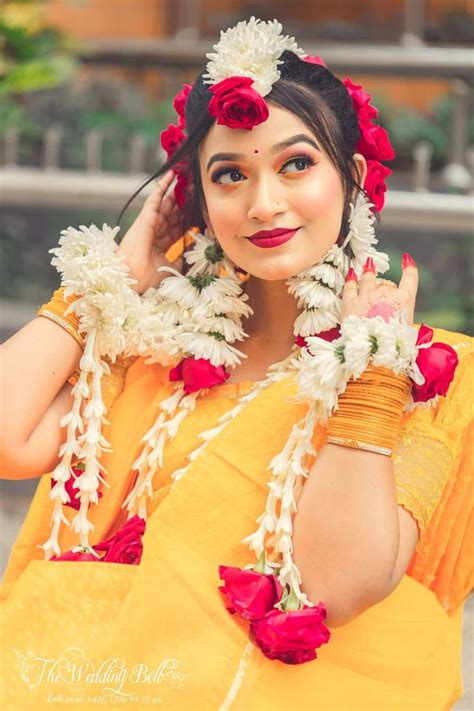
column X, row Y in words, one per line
column 157, row 227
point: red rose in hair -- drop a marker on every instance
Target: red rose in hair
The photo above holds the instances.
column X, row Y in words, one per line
column 198, row 373
column 125, row 546
column 361, row 101
column 75, row 501
column 171, row 139
column 314, row 60
column 291, row 636
column 437, row 364
column 375, row 182
column 249, row 593
column 181, row 189
column 179, row 102
column 374, row 142
column 236, row 105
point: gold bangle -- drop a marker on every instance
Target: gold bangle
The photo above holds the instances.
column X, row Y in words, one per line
column 369, row 411
column 61, row 322
column 356, row 444
column 55, row 309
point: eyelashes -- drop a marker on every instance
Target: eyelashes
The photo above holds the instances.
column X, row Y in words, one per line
column 223, row 171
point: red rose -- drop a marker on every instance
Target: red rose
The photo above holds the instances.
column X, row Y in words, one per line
column 78, row 555
column 249, row 593
column 181, row 189
column 437, row 364
column 330, row 335
column 75, row 501
column 361, row 101
column 180, row 100
column 291, row 636
column 236, row 105
column 375, row 183
column 125, row 546
column 198, row 373
column 374, row 142
column 171, row 139
column 425, row 334
column 314, row 60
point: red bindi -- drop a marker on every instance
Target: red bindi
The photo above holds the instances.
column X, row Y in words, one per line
column 255, row 151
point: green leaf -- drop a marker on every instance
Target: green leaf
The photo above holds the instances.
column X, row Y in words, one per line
column 38, row 74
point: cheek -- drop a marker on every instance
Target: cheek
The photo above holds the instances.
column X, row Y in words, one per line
column 321, row 199
column 225, row 219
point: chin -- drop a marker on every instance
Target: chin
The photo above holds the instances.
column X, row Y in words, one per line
column 276, row 272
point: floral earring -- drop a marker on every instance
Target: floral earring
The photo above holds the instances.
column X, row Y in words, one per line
column 361, row 236
column 319, row 288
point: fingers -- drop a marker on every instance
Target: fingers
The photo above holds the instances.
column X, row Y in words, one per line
column 156, row 198
column 350, row 290
column 368, row 279
column 410, row 276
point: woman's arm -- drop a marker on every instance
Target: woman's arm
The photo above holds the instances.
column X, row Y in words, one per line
column 35, row 364
column 352, row 542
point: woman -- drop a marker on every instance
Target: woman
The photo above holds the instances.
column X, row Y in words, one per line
column 360, row 548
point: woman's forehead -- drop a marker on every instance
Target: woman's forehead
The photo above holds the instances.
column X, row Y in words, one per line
column 280, row 125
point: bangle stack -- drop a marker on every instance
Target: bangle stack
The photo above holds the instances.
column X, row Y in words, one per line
column 369, row 411
column 54, row 310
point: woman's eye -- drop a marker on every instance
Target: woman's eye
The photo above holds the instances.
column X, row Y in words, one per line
column 302, row 161
column 226, row 171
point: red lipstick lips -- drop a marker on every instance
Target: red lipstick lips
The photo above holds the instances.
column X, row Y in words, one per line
column 272, row 238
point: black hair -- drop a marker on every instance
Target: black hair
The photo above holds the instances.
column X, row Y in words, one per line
column 311, row 92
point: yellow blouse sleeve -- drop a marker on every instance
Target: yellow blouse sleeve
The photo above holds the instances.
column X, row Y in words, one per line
column 430, row 441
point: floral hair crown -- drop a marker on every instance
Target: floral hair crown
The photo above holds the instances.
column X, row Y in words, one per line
column 241, row 72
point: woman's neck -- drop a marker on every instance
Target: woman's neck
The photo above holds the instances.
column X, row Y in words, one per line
column 275, row 311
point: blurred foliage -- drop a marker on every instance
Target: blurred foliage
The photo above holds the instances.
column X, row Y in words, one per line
column 32, row 55
column 116, row 109
column 406, row 127
column 41, row 86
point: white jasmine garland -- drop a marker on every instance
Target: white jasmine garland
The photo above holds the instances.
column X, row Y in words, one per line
column 207, row 255
column 361, row 237
column 328, row 366
column 165, row 324
column 250, row 49
column 318, row 290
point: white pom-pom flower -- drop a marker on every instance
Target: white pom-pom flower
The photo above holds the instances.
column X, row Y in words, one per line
column 250, row 49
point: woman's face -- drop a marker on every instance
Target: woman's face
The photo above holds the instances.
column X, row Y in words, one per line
column 264, row 186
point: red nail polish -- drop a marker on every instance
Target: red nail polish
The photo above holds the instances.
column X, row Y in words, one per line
column 369, row 266
column 351, row 275
column 408, row 261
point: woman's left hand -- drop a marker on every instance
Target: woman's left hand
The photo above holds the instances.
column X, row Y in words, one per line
column 380, row 297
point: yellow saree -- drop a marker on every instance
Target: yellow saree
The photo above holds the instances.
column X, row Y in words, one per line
column 91, row 634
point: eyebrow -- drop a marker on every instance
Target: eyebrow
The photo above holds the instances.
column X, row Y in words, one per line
column 299, row 138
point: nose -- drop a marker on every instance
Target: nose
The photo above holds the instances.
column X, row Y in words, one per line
column 266, row 201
